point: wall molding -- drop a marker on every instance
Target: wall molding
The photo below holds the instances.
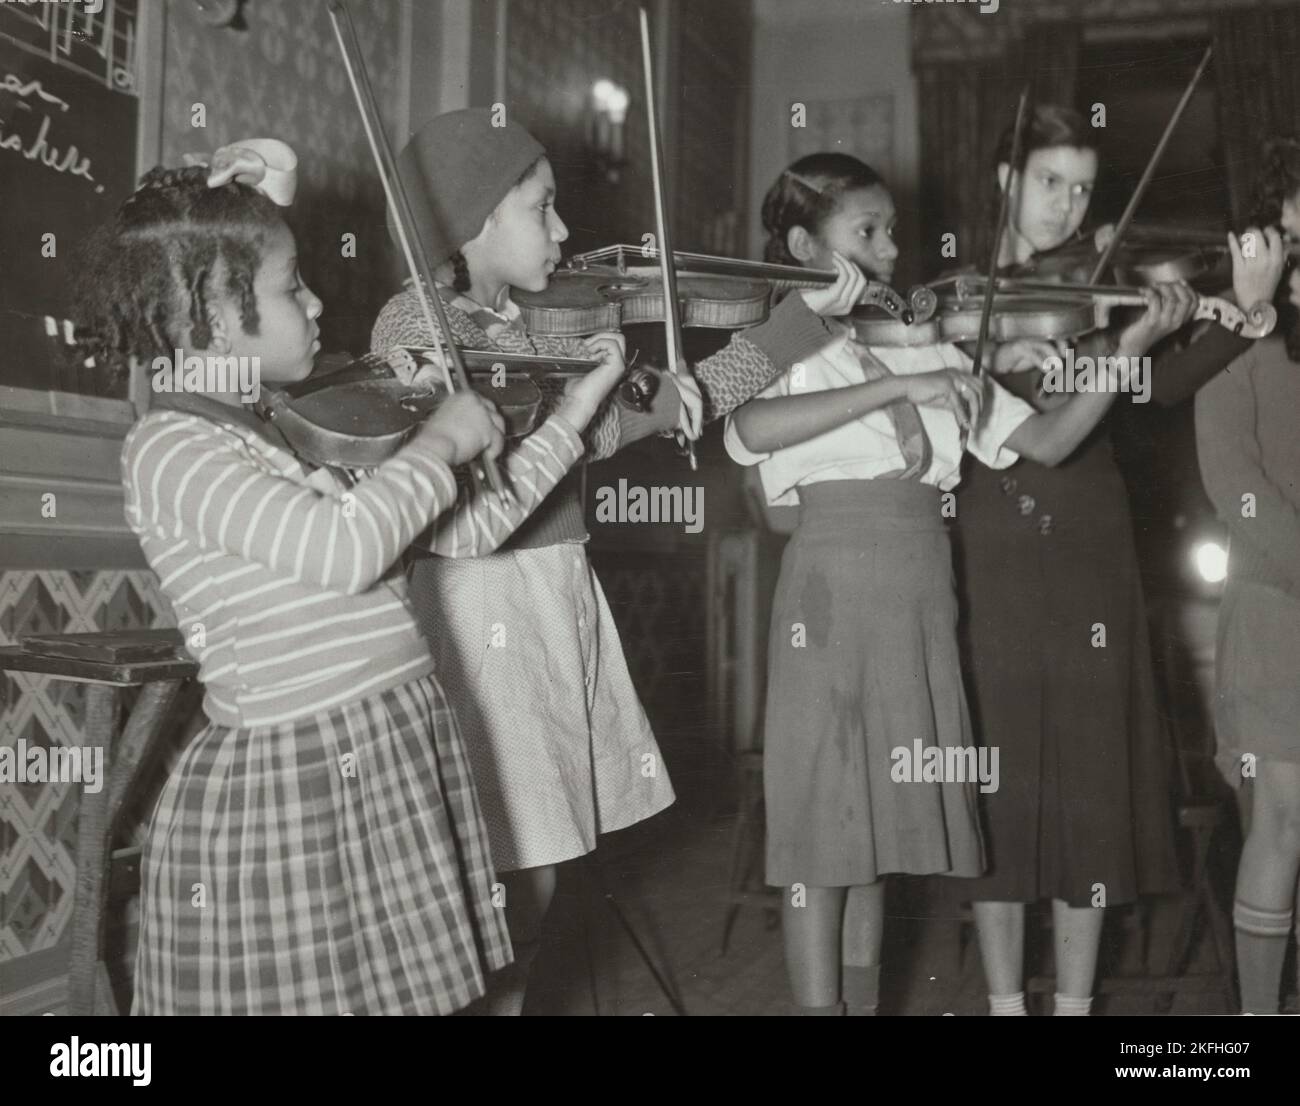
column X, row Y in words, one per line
column 69, row 446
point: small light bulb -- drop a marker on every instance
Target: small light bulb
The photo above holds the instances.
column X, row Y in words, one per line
column 1211, row 561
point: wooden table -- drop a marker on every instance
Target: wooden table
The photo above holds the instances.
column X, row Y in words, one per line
column 161, row 682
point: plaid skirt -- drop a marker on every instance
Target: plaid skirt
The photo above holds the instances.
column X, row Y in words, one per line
column 333, row 865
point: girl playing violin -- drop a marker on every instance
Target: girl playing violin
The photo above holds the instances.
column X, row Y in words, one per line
column 1250, row 462
column 560, row 746
column 863, row 669
column 1055, row 631
column 318, row 848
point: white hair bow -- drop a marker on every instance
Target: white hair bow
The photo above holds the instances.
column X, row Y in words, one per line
column 267, row 164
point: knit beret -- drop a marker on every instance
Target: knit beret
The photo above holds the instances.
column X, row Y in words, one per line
column 456, row 170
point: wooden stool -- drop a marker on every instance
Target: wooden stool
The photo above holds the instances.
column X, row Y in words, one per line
column 89, row 989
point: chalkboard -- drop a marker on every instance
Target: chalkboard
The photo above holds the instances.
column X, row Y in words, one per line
column 69, row 117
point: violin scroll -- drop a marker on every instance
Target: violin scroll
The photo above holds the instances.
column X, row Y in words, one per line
column 1260, row 317
column 924, row 303
column 882, row 295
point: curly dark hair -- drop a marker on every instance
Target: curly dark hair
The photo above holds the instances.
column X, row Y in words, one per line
column 806, row 195
column 144, row 280
column 1278, row 180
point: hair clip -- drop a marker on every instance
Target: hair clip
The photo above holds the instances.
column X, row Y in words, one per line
column 805, row 182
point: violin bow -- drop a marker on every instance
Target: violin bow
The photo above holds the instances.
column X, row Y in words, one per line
column 417, row 260
column 672, row 318
column 1124, row 220
column 1004, row 204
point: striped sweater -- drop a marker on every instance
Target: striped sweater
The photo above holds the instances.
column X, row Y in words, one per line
column 286, row 583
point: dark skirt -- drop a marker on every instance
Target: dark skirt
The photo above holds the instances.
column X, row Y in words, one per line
column 1044, row 555
column 863, row 662
column 337, row 864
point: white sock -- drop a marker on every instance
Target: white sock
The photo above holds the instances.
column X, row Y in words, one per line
column 1008, row 1006
column 1068, row 1006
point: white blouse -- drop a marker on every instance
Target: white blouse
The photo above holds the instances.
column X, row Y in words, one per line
column 867, row 447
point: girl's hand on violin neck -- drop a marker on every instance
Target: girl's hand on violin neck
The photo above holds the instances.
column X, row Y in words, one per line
column 1023, row 354
column 464, row 426
column 1255, row 278
column 1169, row 306
column 841, row 297
column 583, row 395
column 1102, row 237
column 949, row 390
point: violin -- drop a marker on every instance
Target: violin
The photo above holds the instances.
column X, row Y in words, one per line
column 358, row 415
column 615, row 286
column 956, row 319
column 1255, row 322
column 1133, row 264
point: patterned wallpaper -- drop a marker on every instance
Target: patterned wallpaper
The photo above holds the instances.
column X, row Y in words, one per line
column 555, row 49
column 282, row 78
column 712, row 119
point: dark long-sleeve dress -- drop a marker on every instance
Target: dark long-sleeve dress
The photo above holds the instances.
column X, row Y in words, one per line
column 1046, row 559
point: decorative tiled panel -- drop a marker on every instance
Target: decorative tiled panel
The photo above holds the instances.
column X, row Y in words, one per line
column 38, row 821
column 282, row 77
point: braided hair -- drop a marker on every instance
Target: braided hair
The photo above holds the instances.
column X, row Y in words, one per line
column 1278, row 181
column 806, row 195
column 460, row 272
column 145, row 279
